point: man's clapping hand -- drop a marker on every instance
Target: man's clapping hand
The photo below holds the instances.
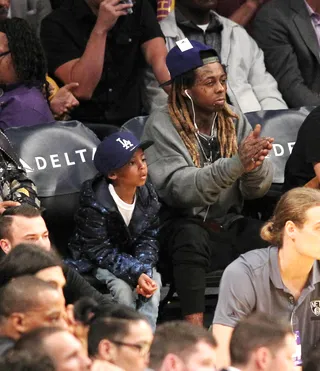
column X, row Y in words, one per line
column 253, row 149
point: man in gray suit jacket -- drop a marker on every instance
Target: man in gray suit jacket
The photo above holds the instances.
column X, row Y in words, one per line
column 288, row 31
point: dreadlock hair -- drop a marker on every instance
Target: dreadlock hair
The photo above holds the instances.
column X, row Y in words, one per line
column 183, row 123
column 27, row 54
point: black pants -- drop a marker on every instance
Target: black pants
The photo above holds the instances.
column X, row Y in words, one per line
column 194, row 250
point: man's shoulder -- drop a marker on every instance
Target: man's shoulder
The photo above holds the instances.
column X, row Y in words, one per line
column 226, row 22
column 252, row 262
column 278, row 8
column 159, row 118
column 313, row 117
column 59, row 15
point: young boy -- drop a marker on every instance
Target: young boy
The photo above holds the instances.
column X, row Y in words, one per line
column 117, row 225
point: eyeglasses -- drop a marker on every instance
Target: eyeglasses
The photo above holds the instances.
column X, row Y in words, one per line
column 4, row 53
column 142, row 348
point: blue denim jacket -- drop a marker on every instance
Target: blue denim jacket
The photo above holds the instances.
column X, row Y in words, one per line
column 102, row 239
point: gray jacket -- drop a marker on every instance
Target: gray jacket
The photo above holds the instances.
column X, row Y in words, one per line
column 250, row 87
column 221, row 186
column 291, row 48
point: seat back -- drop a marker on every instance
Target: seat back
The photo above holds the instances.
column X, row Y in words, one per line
column 135, row 125
column 283, row 126
column 58, row 157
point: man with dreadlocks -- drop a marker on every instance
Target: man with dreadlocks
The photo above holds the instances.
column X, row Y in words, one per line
column 205, row 160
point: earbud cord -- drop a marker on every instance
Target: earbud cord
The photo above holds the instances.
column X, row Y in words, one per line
column 200, row 145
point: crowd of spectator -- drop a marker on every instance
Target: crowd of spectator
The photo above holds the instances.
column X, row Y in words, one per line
column 166, row 206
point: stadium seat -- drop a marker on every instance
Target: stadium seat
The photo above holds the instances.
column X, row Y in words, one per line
column 283, row 126
column 135, row 125
column 58, row 158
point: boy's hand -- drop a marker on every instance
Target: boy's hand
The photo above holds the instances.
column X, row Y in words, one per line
column 146, row 286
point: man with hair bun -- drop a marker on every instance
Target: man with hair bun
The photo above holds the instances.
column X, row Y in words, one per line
column 282, row 280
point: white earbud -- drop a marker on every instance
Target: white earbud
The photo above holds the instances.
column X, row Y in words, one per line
column 187, row 94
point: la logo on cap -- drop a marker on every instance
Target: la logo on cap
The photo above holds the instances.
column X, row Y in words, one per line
column 126, row 144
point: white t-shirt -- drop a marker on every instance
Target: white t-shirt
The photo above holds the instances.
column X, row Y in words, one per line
column 126, row 210
column 203, row 26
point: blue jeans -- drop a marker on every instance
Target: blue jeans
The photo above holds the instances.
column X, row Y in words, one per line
column 123, row 293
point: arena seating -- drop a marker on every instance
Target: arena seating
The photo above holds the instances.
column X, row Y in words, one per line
column 283, row 125
column 58, row 158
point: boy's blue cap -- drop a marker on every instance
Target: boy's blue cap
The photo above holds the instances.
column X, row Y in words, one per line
column 188, row 55
column 116, row 150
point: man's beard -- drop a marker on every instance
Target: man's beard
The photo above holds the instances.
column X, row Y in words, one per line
column 3, row 13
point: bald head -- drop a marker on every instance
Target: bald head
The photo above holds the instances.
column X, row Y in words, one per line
column 21, row 294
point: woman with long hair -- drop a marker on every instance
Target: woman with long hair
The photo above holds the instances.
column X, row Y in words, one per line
column 24, row 88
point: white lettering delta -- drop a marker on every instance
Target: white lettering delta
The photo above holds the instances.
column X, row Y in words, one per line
column 57, row 160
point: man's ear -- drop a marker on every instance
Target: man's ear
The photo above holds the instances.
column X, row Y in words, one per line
column 17, row 323
column 262, row 358
column 5, row 245
column 106, row 350
column 290, row 229
column 172, row 362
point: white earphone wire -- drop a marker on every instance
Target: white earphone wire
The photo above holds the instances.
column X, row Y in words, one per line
column 193, row 110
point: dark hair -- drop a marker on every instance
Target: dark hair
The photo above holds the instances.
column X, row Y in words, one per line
column 257, row 330
column 21, row 294
column 111, row 323
column 27, row 341
column 292, row 206
column 24, row 361
column 87, row 311
column 6, row 218
column 26, row 51
column 26, row 259
column 177, row 337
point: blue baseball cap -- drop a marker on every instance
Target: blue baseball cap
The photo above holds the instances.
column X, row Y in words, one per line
column 188, row 55
column 116, row 150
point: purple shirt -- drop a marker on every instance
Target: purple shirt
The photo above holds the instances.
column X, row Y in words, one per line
column 315, row 19
column 23, row 106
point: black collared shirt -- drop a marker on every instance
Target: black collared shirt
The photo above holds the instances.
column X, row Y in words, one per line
column 64, row 35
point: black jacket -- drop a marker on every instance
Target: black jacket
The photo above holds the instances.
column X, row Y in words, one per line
column 102, row 239
column 77, row 287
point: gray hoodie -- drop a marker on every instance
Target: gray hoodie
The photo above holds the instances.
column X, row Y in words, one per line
column 217, row 190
